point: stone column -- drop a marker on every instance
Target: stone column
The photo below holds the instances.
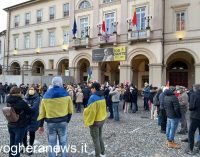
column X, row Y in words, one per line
column 164, row 75
column 72, row 73
column 125, row 74
column 197, row 73
column 155, row 75
column 96, row 73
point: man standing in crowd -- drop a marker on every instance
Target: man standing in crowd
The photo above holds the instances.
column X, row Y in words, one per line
column 183, row 100
column 2, row 93
column 86, row 95
column 94, row 117
column 146, row 92
column 172, row 107
column 162, row 111
column 56, row 109
column 194, row 107
column 115, row 95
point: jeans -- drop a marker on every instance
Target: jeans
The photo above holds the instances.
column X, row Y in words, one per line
column 194, row 124
column 172, row 125
column 163, row 119
column 78, row 109
column 31, row 138
column 16, row 138
column 146, row 105
column 115, row 106
column 2, row 97
column 57, row 130
column 183, row 119
column 96, row 133
column 134, row 107
column 110, row 110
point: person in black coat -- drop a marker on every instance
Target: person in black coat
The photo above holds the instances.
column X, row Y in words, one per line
column 127, row 100
column 172, row 107
column 194, row 107
column 134, row 95
column 17, row 129
column 86, row 95
column 33, row 100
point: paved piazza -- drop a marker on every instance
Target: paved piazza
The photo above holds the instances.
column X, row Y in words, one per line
column 134, row 136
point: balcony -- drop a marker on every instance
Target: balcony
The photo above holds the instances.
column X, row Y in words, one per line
column 139, row 35
column 39, row 19
column 51, row 17
column 81, row 42
column 107, row 39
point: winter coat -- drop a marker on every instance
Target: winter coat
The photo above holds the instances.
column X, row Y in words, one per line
column 79, row 97
column 127, row 96
column 134, row 94
column 171, row 105
column 115, row 95
column 146, row 92
column 95, row 112
column 22, row 109
column 34, row 103
column 194, row 105
column 161, row 100
column 86, row 93
column 183, row 100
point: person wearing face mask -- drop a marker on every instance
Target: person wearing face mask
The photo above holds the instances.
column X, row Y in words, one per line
column 33, row 100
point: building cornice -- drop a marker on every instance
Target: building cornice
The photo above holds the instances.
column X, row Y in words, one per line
column 22, row 4
column 185, row 5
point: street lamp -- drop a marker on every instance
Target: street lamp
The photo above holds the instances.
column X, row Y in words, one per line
column 15, row 51
column 38, row 50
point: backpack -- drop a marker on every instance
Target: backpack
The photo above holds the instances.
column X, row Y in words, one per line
column 10, row 114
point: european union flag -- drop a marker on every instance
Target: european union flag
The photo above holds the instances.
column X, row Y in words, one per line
column 74, row 30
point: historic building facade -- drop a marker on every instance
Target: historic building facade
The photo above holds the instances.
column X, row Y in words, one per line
column 2, row 49
column 161, row 47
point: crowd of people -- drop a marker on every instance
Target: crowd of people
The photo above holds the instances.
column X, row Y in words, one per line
column 55, row 104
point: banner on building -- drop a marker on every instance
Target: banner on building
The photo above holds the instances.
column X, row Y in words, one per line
column 109, row 54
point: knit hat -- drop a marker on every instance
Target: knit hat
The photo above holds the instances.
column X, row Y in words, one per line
column 57, row 81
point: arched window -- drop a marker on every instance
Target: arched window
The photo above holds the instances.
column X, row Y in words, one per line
column 84, row 5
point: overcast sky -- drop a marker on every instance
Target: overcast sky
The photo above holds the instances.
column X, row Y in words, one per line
column 3, row 14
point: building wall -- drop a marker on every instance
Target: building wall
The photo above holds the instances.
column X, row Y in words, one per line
column 186, row 41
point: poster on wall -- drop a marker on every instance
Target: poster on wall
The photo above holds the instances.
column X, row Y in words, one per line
column 109, row 54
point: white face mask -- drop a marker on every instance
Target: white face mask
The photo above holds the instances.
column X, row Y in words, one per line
column 178, row 92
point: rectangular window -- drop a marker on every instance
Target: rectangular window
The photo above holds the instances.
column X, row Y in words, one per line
column 27, row 41
column 84, row 27
column 52, row 39
column 27, row 18
column 66, row 10
column 65, row 37
column 16, row 42
column 52, row 13
column 141, row 13
column 39, row 16
column 109, row 20
column 38, row 39
column 180, row 21
column 16, row 21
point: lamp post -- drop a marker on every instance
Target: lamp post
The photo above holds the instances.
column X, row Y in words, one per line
column 15, row 51
column 99, row 28
column 115, row 27
column 148, row 18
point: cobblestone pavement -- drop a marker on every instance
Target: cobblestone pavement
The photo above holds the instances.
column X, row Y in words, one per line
column 134, row 136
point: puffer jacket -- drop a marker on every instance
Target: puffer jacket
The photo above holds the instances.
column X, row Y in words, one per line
column 171, row 105
column 194, row 105
column 115, row 95
column 22, row 109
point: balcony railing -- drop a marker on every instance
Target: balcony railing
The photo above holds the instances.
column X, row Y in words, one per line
column 51, row 17
column 16, row 24
column 39, row 19
column 139, row 35
column 66, row 13
column 81, row 42
column 108, row 39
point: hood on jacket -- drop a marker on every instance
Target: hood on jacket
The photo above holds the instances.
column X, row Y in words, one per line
column 168, row 92
column 99, row 93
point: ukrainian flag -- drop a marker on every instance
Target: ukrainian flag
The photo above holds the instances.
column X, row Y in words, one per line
column 56, row 104
column 95, row 111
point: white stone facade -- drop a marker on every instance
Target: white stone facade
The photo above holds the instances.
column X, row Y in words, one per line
column 149, row 60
